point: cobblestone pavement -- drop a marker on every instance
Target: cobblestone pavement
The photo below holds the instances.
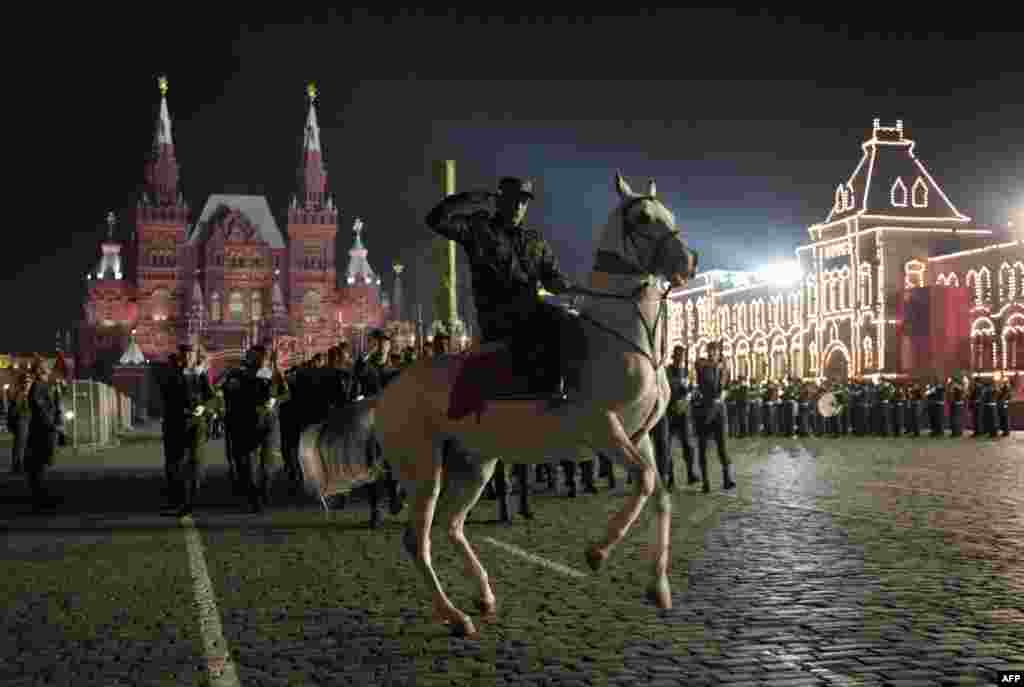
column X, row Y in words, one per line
column 836, row 562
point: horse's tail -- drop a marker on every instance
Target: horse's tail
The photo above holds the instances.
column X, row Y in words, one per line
column 341, row 454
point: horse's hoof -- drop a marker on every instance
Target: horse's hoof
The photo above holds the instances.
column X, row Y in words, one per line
column 488, row 611
column 660, row 595
column 595, row 558
column 465, row 629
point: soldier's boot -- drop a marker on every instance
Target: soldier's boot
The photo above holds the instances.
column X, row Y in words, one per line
column 704, row 473
column 503, row 511
column 727, row 481
column 588, row 478
column 189, row 488
column 374, row 496
column 524, row 497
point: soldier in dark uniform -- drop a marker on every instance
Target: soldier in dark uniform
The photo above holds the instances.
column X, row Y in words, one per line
column 19, row 416
column 678, row 415
column 507, row 260
column 956, row 406
column 936, row 397
column 45, row 426
column 988, row 414
column 252, row 393
column 732, row 423
column 742, row 392
column 977, row 403
column 768, row 404
column 708, row 415
column 186, row 395
column 804, row 412
column 899, row 404
column 753, row 410
column 1003, row 397
column 858, row 407
column 914, row 410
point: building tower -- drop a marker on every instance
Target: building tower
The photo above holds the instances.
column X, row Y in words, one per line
column 312, row 231
column 109, row 308
column 161, row 265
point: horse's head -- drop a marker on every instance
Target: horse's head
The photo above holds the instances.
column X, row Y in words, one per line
column 641, row 238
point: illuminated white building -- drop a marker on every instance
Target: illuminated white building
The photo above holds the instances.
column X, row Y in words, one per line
column 895, row 281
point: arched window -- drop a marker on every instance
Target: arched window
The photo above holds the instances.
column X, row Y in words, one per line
column 898, row 194
column 257, row 305
column 812, row 295
column 865, row 284
column 974, row 283
column 160, row 304
column 985, row 279
column 839, row 205
column 952, row 280
column 913, row 274
column 1006, row 284
column 1018, row 279
column 311, row 306
column 851, row 197
column 236, row 307
column 920, row 193
column 813, row 350
column 215, row 307
column 869, row 353
column 844, row 285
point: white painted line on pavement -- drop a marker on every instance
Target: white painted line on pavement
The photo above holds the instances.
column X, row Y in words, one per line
column 534, row 558
column 219, row 665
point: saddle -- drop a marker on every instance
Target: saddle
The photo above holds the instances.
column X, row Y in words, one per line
column 494, row 374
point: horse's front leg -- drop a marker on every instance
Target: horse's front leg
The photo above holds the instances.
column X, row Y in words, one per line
column 641, row 455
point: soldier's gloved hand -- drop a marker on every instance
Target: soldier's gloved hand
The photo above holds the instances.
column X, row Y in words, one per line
column 678, row 407
column 199, row 410
column 271, row 403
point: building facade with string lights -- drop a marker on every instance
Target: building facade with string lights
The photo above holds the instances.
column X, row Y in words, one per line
column 230, row 277
column 895, row 282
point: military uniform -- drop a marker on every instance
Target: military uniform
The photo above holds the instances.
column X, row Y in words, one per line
column 914, row 411
column 899, row 404
column 708, row 419
column 976, row 399
column 187, row 393
column 506, row 263
column 252, row 395
column 754, row 412
column 45, row 424
column 742, row 412
column 19, row 416
column 988, row 414
column 936, row 398
column 768, row 406
column 956, row 409
column 679, row 420
column 1003, row 397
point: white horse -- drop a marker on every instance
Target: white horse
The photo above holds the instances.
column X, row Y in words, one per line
column 624, row 392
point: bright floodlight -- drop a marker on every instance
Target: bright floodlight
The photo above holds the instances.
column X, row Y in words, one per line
column 782, row 273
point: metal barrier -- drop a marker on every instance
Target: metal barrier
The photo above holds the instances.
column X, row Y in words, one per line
column 95, row 413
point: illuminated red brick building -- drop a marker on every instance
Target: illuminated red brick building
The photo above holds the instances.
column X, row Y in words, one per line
column 231, row 276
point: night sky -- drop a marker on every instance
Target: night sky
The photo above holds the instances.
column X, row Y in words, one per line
column 747, row 123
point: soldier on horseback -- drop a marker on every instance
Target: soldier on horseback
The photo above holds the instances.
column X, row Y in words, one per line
column 507, row 260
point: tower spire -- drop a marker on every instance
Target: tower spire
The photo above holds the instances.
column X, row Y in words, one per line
column 313, row 174
column 359, row 270
column 161, row 170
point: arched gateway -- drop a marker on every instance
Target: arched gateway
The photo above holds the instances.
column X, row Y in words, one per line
column 837, row 365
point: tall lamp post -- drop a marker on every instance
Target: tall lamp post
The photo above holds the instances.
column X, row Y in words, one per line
column 446, row 303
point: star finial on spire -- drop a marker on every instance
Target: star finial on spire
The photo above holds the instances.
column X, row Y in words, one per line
column 162, row 84
column 311, row 91
column 111, row 220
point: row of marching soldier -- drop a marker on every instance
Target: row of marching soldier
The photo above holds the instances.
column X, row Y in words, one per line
column 263, row 412
column 864, row 407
